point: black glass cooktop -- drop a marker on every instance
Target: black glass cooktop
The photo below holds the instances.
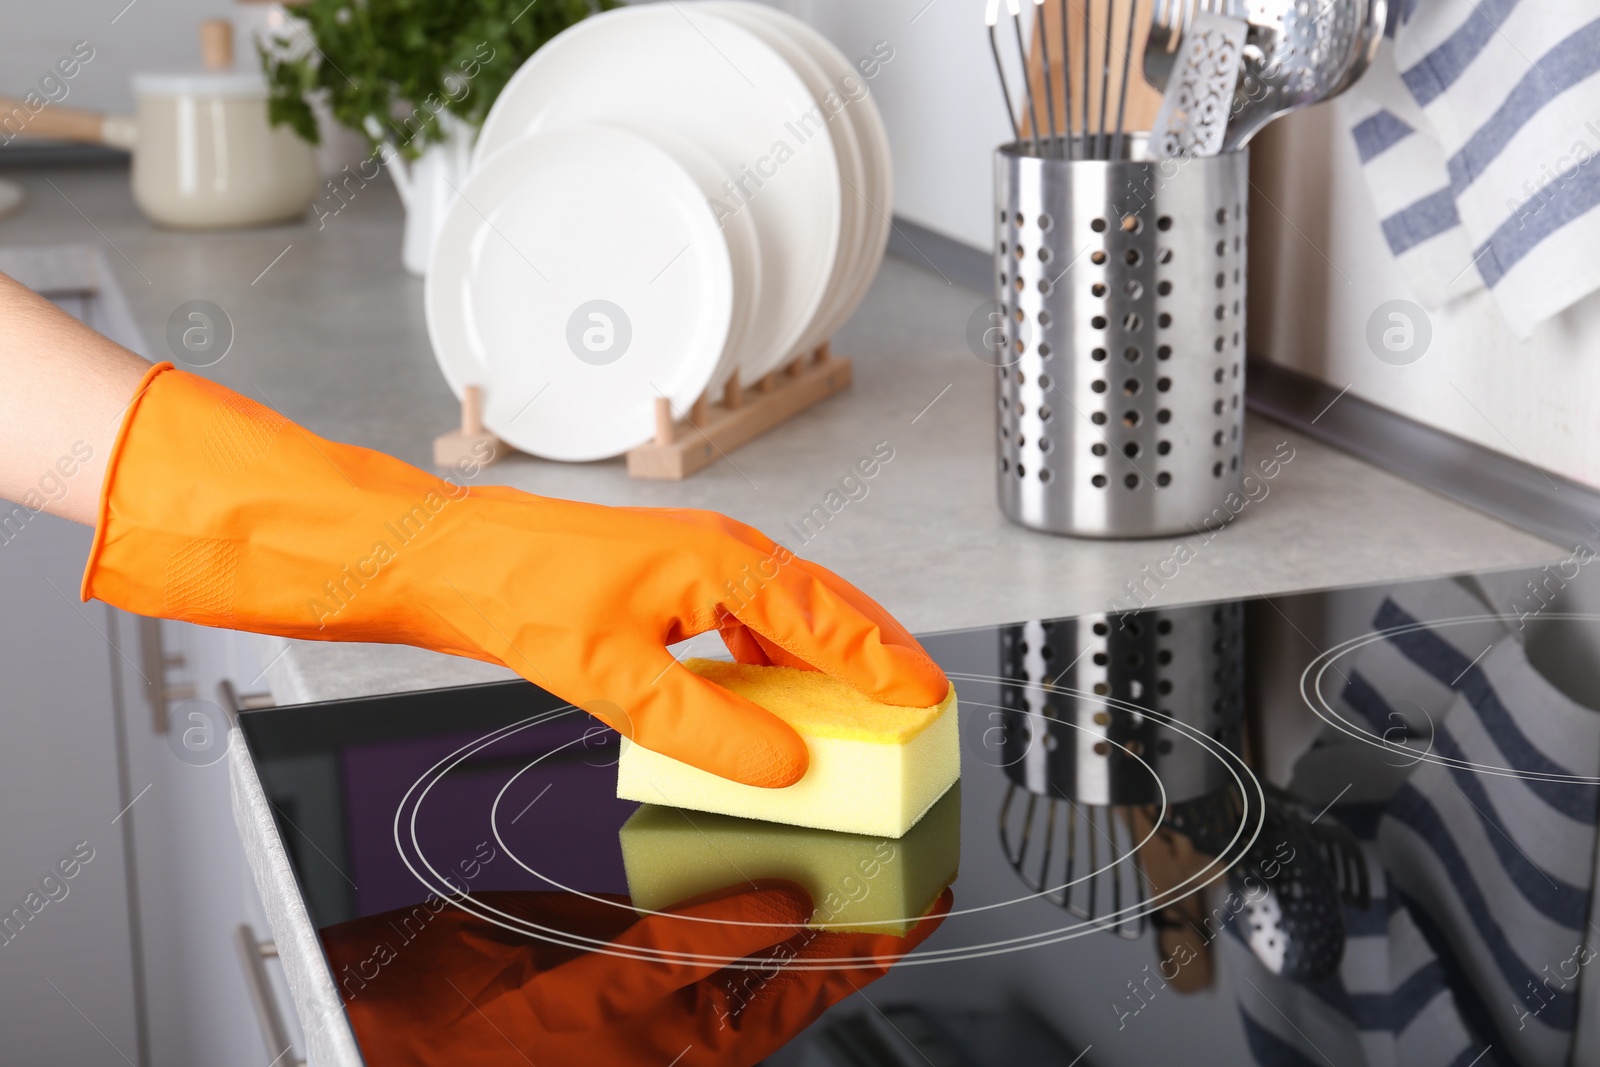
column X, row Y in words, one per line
column 1348, row 827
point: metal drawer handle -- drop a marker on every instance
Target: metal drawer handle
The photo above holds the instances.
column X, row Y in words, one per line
column 253, row 954
column 235, row 701
column 156, row 663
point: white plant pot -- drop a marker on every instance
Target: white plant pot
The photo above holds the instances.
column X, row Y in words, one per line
column 428, row 185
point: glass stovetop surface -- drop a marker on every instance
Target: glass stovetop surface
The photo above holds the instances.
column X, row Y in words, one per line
column 1346, row 827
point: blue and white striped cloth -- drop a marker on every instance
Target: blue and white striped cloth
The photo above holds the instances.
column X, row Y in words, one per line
column 1481, row 882
column 1478, row 129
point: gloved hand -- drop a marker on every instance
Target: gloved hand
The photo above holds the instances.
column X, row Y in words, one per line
column 518, row 1000
column 219, row 511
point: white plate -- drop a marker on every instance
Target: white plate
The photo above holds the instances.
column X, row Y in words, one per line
column 832, row 105
column 684, row 69
column 578, row 276
column 875, row 195
column 739, row 230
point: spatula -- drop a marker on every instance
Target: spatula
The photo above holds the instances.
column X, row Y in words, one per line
column 1193, row 120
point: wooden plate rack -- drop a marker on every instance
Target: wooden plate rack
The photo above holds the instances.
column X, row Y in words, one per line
column 705, row 433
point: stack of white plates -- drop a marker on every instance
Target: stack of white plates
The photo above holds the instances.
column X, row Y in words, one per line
column 662, row 196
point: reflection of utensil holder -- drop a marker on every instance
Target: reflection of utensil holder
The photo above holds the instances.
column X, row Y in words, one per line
column 1120, row 351
column 1081, row 748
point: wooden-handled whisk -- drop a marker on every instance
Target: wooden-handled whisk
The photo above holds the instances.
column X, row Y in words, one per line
column 1077, row 55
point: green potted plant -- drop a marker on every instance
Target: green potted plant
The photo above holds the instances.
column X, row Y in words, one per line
column 414, row 77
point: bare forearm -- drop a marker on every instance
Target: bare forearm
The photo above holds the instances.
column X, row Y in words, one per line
column 63, row 392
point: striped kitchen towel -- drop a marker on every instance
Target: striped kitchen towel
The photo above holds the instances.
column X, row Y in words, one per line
column 1390, row 1004
column 1496, row 852
column 1482, row 866
column 1478, row 129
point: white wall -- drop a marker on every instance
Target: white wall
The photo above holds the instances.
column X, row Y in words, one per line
column 1319, row 267
column 940, row 101
column 150, row 35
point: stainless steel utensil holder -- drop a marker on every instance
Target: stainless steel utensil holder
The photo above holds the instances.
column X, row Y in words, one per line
column 1076, row 748
column 1120, row 357
column 1082, row 740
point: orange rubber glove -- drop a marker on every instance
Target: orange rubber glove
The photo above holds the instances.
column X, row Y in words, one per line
column 517, row 1000
column 220, row 511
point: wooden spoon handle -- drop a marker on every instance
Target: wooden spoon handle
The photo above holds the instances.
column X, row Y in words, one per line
column 51, row 120
column 1183, row 941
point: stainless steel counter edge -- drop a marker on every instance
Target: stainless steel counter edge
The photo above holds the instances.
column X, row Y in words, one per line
column 329, row 1040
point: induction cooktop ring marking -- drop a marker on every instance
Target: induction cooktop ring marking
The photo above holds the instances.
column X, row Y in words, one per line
column 467, row 904
column 564, row 937
column 1311, row 692
column 494, row 825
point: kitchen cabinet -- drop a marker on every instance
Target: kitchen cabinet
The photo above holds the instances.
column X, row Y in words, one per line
column 194, row 889
column 68, row 945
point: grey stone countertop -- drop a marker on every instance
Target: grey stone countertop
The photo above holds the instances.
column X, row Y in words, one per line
column 330, row 331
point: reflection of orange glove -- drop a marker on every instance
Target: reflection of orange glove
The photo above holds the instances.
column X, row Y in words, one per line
column 219, row 511
column 518, row 1000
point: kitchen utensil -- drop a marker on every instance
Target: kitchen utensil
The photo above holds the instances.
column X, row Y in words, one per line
column 204, row 154
column 1293, row 918
column 216, row 44
column 579, row 277
column 700, row 75
column 1066, row 81
column 1193, row 120
column 1069, row 867
column 1167, row 21
column 1050, row 71
column 1013, row 8
column 1076, row 752
column 1102, row 145
column 1169, row 860
column 1365, row 50
column 1122, row 89
column 991, row 18
column 1044, row 58
column 831, row 102
column 1030, row 110
column 1087, row 38
column 1053, row 139
column 1120, row 362
column 208, row 157
column 1302, row 54
column 1294, row 56
column 1295, row 879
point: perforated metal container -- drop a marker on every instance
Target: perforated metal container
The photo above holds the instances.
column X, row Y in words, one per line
column 1077, row 744
column 1082, row 741
column 1120, row 358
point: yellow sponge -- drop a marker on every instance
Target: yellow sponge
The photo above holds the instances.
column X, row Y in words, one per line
column 857, row 883
column 875, row 768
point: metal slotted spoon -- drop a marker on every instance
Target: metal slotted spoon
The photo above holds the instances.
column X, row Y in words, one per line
column 1298, row 52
